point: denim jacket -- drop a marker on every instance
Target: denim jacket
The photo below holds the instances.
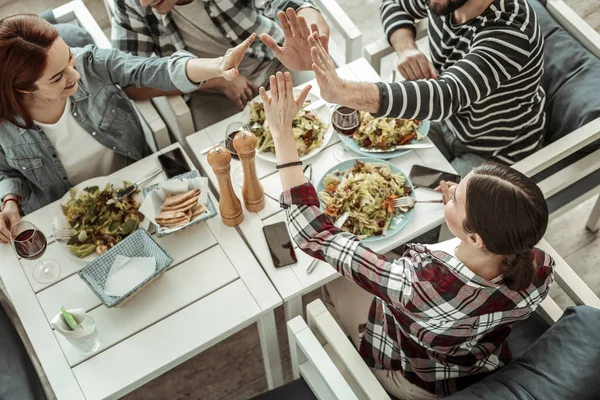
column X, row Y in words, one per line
column 29, row 165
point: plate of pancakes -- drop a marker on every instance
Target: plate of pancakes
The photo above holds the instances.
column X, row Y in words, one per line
column 177, row 203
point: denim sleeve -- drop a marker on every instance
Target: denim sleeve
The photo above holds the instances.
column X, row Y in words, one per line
column 123, row 69
column 12, row 182
column 272, row 7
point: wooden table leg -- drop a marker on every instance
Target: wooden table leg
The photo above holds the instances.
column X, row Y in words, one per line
column 269, row 344
column 593, row 222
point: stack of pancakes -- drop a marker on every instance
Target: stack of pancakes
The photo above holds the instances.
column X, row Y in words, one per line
column 180, row 209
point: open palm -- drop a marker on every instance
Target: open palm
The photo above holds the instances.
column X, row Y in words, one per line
column 295, row 52
column 233, row 57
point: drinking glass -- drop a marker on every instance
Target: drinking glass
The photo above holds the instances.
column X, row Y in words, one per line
column 236, row 170
column 345, row 121
column 30, row 243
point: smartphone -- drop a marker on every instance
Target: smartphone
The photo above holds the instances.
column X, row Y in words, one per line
column 280, row 244
column 174, row 163
column 421, row 176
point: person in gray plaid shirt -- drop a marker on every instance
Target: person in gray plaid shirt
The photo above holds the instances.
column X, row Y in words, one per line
column 208, row 28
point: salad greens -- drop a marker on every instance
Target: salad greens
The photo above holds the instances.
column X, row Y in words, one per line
column 99, row 226
column 308, row 130
column 384, row 133
column 367, row 191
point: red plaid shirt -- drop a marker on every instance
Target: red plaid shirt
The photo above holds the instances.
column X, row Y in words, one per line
column 432, row 318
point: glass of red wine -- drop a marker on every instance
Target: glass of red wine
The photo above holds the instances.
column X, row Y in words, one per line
column 30, row 243
column 345, row 121
column 230, row 132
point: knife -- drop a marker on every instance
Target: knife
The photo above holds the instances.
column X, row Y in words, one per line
column 317, row 104
column 396, row 148
column 130, row 189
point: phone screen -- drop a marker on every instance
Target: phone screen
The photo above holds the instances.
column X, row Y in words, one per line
column 421, row 176
column 174, row 163
column 280, row 244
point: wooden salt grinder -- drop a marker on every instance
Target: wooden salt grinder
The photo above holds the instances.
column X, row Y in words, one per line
column 254, row 195
column 219, row 159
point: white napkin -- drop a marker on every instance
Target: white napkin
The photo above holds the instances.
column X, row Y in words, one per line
column 154, row 199
column 126, row 273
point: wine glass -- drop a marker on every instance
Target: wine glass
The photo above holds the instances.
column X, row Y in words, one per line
column 230, row 132
column 345, row 121
column 30, row 243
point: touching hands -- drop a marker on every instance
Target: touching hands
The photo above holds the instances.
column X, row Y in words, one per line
column 280, row 106
column 413, row 65
column 229, row 63
column 295, row 52
column 330, row 84
column 8, row 218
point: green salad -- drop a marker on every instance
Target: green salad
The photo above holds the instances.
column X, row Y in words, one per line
column 308, row 129
column 367, row 191
column 99, row 226
column 384, row 133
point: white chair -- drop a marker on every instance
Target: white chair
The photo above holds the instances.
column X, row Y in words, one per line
column 565, row 186
column 175, row 110
column 154, row 127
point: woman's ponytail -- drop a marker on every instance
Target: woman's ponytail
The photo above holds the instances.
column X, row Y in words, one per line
column 518, row 270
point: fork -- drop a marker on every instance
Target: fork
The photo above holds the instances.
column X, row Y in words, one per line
column 409, row 202
column 338, row 224
column 64, row 234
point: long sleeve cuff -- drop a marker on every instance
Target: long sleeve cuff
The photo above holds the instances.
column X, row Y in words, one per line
column 178, row 74
column 304, row 194
column 385, row 99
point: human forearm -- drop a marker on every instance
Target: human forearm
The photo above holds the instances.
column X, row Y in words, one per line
column 357, row 95
column 403, row 39
column 287, row 152
column 202, row 69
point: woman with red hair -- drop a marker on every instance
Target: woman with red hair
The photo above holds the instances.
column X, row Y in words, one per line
column 63, row 116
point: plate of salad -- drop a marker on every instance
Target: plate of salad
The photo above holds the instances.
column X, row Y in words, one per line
column 366, row 187
column 383, row 133
column 312, row 129
column 97, row 226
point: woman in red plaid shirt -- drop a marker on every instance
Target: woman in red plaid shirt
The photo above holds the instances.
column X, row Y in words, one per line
column 435, row 320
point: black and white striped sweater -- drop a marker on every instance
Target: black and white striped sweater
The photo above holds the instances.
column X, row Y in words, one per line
column 490, row 69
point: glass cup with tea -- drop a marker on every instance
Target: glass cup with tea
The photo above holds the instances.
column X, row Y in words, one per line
column 30, row 243
column 232, row 130
column 345, row 121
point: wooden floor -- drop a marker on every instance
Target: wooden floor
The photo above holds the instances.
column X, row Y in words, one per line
column 232, row 369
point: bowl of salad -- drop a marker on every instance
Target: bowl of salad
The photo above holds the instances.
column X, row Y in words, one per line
column 97, row 226
column 383, row 133
column 312, row 129
column 366, row 187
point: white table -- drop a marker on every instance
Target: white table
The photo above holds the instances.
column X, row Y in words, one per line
column 214, row 288
column 292, row 282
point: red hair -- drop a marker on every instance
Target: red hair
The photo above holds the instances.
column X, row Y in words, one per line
column 24, row 43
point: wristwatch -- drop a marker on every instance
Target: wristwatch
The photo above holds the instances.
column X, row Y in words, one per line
column 307, row 5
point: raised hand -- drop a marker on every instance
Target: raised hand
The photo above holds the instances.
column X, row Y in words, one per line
column 295, row 52
column 330, row 84
column 233, row 57
column 280, row 106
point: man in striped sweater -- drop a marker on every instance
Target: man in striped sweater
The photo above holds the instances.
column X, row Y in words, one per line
column 482, row 85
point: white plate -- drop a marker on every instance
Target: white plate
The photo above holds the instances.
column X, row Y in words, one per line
column 60, row 222
column 323, row 112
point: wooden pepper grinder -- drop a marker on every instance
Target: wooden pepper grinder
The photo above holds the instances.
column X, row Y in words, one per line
column 254, row 195
column 219, row 159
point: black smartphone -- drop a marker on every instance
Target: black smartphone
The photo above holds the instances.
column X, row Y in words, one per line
column 421, row 176
column 174, row 163
column 280, row 244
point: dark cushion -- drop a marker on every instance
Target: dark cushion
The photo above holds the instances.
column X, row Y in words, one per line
column 562, row 364
column 571, row 79
column 18, row 378
column 295, row 390
column 73, row 35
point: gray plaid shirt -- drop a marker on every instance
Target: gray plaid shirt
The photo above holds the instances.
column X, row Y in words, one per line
column 141, row 31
